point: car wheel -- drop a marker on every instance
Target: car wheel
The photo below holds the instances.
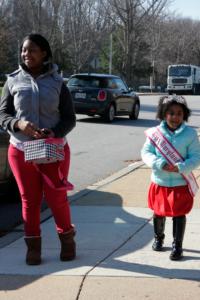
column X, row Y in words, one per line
column 135, row 111
column 109, row 114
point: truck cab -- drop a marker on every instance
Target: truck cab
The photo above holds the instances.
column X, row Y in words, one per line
column 183, row 79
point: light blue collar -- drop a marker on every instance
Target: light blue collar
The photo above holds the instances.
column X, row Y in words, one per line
column 163, row 126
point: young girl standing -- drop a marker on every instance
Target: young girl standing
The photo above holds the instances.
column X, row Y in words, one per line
column 172, row 151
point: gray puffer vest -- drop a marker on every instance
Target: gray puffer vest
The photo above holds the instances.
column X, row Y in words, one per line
column 35, row 100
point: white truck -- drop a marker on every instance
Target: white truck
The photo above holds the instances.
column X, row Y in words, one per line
column 183, row 79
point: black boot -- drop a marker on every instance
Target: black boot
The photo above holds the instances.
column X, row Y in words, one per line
column 178, row 234
column 159, row 228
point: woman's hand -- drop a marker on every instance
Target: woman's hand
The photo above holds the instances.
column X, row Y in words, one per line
column 170, row 168
column 47, row 133
column 28, row 128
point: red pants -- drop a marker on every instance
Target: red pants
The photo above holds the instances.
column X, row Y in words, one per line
column 32, row 187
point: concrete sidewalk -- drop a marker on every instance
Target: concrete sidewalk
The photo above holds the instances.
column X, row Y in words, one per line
column 114, row 256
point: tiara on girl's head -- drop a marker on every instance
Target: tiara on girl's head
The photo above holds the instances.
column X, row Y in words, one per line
column 175, row 98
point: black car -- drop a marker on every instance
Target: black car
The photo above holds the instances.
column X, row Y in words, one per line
column 8, row 187
column 104, row 95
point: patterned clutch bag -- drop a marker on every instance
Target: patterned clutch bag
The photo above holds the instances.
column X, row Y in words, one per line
column 43, row 151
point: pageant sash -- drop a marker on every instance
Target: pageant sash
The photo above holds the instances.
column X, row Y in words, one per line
column 170, row 153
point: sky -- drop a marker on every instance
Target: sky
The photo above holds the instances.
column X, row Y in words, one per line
column 186, row 8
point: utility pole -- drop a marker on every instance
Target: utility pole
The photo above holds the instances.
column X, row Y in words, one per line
column 39, row 15
column 152, row 76
column 110, row 55
column 18, row 52
column 62, row 43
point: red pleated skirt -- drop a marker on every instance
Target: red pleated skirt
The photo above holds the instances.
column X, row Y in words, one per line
column 169, row 201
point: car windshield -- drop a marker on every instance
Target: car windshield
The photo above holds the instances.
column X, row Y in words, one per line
column 180, row 71
column 88, row 81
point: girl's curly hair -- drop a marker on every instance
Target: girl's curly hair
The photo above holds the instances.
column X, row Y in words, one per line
column 166, row 102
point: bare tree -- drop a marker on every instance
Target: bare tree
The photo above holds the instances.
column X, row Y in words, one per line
column 5, row 36
column 146, row 38
column 84, row 28
column 132, row 19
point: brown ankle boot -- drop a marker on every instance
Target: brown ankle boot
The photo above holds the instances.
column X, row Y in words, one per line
column 68, row 245
column 33, row 255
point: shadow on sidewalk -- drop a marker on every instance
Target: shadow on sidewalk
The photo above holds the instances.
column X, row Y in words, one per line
column 103, row 226
column 108, row 235
column 137, row 232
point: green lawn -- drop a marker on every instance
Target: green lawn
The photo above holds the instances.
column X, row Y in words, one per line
column 0, row 90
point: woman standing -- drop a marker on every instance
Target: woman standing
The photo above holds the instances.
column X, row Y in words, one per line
column 36, row 104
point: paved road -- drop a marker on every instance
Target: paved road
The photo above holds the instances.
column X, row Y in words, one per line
column 99, row 149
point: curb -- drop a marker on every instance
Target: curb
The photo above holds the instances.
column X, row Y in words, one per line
column 18, row 231
column 95, row 186
column 151, row 94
